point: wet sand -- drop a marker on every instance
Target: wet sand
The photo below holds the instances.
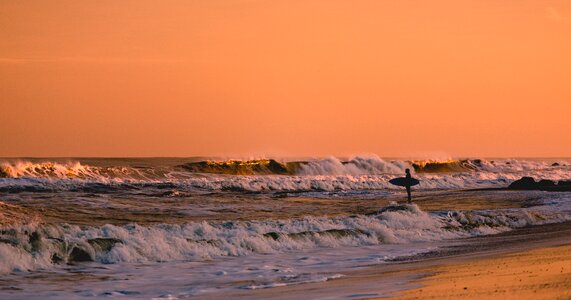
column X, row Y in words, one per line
column 536, row 274
column 489, row 267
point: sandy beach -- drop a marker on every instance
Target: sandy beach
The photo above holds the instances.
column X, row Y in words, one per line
column 535, row 274
column 528, row 263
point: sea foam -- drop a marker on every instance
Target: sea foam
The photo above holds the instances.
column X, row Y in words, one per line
column 40, row 246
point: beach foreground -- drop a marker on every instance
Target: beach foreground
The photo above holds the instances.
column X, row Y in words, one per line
column 535, row 274
column 489, row 267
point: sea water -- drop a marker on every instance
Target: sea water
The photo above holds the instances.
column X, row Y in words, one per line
column 183, row 228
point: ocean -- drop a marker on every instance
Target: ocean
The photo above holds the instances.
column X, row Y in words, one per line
column 177, row 228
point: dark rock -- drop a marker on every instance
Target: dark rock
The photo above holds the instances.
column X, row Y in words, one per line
column 79, row 255
column 528, row 183
column 545, row 183
column 555, row 164
column 525, row 183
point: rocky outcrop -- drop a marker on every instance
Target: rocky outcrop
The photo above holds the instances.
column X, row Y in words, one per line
column 528, row 183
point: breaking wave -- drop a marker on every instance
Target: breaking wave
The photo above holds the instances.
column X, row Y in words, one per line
column 36, row 246
column 329, row 174
column 69, row 170
column 360, row 165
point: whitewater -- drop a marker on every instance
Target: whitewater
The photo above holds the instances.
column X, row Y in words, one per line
column 330, row 174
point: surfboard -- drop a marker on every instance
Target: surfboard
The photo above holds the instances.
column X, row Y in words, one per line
column 403, row 181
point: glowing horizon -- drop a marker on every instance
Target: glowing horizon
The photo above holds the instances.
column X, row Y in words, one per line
column 285, row 78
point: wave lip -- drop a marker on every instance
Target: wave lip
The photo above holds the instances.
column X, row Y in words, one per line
column 70, row 170
column 45, row 170
column 239, row 167
column 431, row 166
column 359, row 165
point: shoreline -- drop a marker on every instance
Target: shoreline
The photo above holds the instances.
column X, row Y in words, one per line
column 406, row 277
column 543, row 273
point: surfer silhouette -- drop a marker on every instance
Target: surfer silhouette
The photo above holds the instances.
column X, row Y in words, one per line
column 407, row 182
column 407, row 171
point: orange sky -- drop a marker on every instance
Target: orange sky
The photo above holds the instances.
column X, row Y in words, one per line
column 285, row 78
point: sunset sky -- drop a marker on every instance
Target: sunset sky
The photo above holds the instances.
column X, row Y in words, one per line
column 285, row 78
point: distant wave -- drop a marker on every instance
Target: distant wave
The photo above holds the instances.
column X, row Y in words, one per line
column 482, row 165
column 70, row 170
column 328, row 174
column 247, row 167
column 429, row 166
column 360, row 165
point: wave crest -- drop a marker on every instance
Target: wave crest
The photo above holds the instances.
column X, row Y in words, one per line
column 331, row 174
column 240, row 167
column 431, row 166
column 359, row 165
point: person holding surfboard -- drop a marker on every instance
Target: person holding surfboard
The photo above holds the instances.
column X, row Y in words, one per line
column 407, row 182
column 408, row 177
